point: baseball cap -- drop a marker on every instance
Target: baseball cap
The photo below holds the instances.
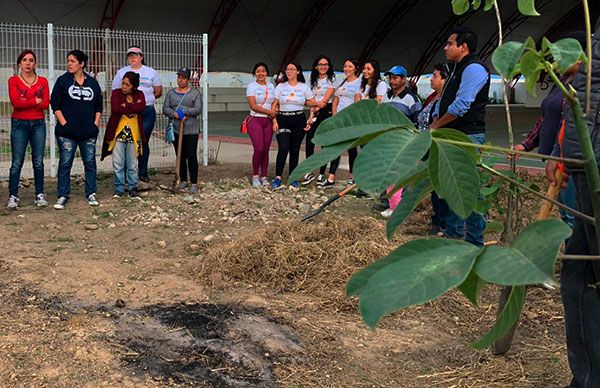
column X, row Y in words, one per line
column 134, row 50
column 184, row 71
column 397, row 70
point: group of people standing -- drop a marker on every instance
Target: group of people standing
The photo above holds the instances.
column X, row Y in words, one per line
column 76, row 101
column 458, row 101
column 280, row 110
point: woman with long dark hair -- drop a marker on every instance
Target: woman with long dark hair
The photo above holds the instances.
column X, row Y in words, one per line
column 260, row 95
column 290, row 98
column 124, row 134
column 29, row 96
column 77, row 104
column 151, row 86
column 345, row 95
column 322, row 84
column 372, row 87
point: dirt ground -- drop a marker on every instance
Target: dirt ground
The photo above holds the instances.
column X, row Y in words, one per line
column 175, row 290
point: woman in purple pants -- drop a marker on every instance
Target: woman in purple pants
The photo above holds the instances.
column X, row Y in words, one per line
column 260, row 94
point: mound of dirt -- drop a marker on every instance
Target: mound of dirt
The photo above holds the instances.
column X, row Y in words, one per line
column 314, row 257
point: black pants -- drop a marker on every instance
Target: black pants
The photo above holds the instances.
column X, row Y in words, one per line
column 580, row 291
column 352, row 154
column 189, row 157
column 289, row 140
column 322, row 115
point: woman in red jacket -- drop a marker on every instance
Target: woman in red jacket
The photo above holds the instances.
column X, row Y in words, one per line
column 124, row 134
column 30, row 96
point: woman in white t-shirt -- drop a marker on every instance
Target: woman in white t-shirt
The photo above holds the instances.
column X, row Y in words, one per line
column 372, row 87
column 345, row 95
column 290, row 98
column 322, row 84
column 151, row 86
column 260, row 95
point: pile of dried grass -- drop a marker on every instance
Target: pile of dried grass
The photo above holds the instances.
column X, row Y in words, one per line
column 314, row 257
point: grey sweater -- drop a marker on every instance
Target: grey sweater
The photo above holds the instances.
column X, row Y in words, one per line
column 191, row 107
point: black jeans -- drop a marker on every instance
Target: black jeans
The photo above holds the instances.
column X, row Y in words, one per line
column 580, row 291
column 289, row 140
column 189, row 157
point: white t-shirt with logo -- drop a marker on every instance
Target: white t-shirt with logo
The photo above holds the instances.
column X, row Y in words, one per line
column 346, row 92
column 148, row 80
column 323, row 85
column 381, row 90
column 292, row 98
column 259, row 92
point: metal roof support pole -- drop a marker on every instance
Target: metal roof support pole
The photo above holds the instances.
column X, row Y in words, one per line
column 112, row 9
column 219, row 21
column 315, row 13
column 436, row 44
column 398, row 11
column 509, row 25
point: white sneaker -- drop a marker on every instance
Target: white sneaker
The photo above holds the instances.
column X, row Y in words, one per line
column 387, row 213
column 13, row 202
column 264, row 181
column 92, row 201
column 60, row 203
column 256, row 181
column 40, row 200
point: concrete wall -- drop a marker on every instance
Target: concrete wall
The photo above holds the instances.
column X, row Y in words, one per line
column 227, row 100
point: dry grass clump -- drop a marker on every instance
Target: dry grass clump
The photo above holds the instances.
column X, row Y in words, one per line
column 316, row 257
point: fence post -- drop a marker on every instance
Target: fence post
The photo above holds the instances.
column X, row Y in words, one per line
column 51, row 85
column 205, row 99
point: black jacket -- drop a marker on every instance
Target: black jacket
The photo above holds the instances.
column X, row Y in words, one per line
column 473, row 121
column 570, row 145
column 79, row 104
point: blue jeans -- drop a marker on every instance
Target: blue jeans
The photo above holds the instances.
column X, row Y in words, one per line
column 580, row 292
column 475, row 223
column 125, row 165
column 567, row 197
column 440, row 211
column 149, row 119
column 66, row 151
column 22, row 133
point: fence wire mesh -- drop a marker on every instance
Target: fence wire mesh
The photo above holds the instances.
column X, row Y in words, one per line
column 106, row 50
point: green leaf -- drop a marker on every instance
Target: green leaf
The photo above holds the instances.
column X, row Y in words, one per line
column 318, row 159
column 530, row 44
column 471, row 287
column 505, row 321
column 489, row 4
column 531, row 259
column 453, row 134
column 527, row 7
column 460, row 6
column 411, row 197
column 387, row 159
column 494, row 227
column 545, row 45
column 454, row 177
column 360, row 119
column 531, row 68
column 414, row 273
column 566, row 52
column 476, row 4
column 506, row 58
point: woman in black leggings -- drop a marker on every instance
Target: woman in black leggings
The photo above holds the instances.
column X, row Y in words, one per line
column 322, row 84
column 290, row 98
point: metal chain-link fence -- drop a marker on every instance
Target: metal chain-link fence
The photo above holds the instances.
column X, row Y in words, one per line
column 107, row 53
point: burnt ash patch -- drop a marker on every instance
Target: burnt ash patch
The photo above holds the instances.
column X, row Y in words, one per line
column 214, row 345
